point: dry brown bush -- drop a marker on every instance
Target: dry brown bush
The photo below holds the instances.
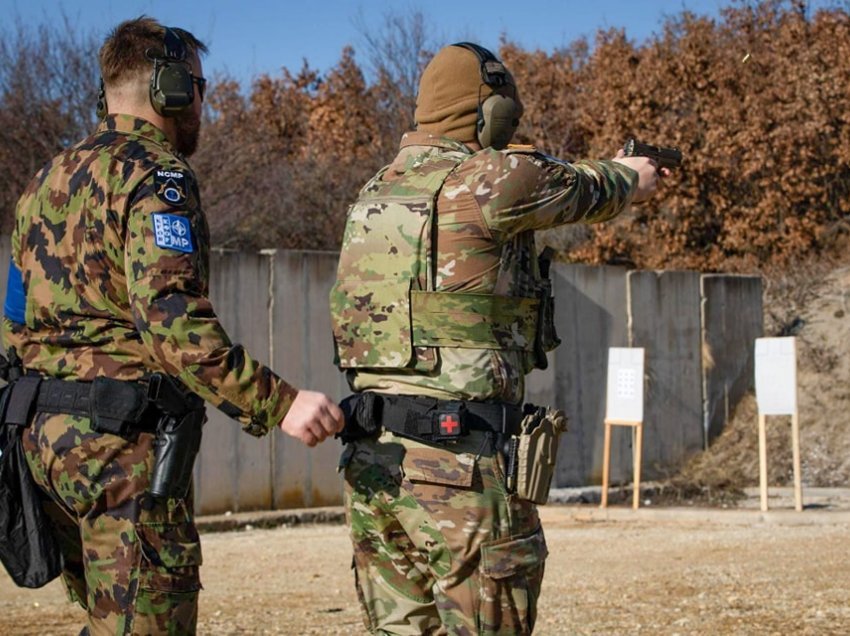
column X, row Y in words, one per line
column 758, row 100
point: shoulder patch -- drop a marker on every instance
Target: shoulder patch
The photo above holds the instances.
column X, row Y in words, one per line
column 170, row 186
column 172, row 232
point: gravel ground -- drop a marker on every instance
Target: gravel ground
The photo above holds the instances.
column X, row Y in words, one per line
column 630, row 576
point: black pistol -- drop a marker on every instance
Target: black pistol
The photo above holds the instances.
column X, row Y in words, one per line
column 669, row 158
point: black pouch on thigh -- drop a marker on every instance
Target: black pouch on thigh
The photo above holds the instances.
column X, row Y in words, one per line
column 28, row 547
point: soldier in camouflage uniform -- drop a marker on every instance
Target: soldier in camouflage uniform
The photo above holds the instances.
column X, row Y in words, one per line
column 437, row 312
column 109, row 277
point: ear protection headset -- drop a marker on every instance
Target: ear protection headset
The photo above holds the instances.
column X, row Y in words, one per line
column 498, row 115
column 172, row 88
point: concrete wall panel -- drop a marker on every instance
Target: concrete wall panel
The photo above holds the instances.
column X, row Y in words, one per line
column 303, row 354
column 732, row 319
column 291, row 459
column 322, row 374
column 665, row 320
column 234, row 469
column 590, row 310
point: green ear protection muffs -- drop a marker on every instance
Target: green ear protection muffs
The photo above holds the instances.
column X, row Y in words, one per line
column 498, row 115
column 172, row 87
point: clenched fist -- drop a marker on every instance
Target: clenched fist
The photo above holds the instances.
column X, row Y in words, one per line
column 312, row 418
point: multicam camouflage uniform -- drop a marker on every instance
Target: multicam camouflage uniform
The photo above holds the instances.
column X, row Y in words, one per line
column 113, row 248
column 440, row 545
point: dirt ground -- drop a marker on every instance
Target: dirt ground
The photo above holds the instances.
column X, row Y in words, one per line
column 603, row 577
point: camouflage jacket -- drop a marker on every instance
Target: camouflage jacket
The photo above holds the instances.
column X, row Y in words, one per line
column 113, row 248
column 486, row 212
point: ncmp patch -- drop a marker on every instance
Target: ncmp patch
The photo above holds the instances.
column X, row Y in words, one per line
column 170, row 186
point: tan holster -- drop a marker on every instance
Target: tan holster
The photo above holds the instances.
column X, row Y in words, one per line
column 540, row 433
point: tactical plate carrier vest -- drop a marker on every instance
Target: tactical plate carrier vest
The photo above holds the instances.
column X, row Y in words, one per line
column 385, row 311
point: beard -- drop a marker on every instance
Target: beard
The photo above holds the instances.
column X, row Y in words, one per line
column 188, row 131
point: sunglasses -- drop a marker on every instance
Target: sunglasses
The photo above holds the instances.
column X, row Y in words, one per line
column 201, row 83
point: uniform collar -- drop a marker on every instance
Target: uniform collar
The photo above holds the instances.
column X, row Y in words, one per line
column 421, row 138
column 136, row 126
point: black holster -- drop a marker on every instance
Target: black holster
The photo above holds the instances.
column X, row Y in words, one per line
column 546, row 339
column 178, row 437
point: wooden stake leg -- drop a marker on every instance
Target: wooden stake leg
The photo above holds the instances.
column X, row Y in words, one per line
column 637, row 431
column 606, row 464
column 763, row 461
column 636, row 464
column 795, row 446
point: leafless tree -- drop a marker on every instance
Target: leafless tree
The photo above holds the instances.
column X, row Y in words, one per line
column 397, row 52
column 48, row 88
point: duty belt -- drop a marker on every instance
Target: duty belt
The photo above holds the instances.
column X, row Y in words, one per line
column 427, row 418
column 114, row 406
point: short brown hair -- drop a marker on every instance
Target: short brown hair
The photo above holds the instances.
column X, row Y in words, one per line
column 123, row 53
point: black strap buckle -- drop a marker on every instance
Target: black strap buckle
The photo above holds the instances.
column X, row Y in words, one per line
column 21, row 400
column 449, row 422
column 154, row 384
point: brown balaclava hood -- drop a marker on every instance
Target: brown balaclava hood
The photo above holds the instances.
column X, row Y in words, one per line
column 449, row 91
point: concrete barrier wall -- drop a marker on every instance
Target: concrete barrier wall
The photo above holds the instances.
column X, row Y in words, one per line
column 276, row 305
column 591, row 312
column 676, row 317
column 664, row 319
column 731, row 321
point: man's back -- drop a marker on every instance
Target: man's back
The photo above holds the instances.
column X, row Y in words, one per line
column 71, row 226
column 485, row 213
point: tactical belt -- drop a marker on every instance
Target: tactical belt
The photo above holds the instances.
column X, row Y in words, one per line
column 428, row 418
column 114, row 406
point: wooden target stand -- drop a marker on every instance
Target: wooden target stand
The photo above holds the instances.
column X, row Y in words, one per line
column 795, row 449
column 624, row 407
column 637, row 437
column 776, row 394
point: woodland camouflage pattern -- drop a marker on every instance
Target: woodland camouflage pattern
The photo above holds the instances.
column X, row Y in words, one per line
column 440, row 546
column 104, row 299
column 132, row 561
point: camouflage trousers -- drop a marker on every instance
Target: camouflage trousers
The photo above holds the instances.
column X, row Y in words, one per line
column 440, row 546
column 130, row 560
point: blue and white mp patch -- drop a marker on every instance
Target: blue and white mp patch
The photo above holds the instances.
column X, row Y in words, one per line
column 173, row 232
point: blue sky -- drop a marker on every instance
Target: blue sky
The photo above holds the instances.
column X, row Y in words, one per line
column 250, row 38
